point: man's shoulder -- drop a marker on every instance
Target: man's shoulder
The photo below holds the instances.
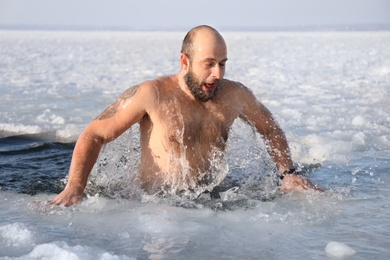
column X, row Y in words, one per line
column 234, row 87
column 154, row 85
column 163, row 81
column 236, row 94
column 158, row 83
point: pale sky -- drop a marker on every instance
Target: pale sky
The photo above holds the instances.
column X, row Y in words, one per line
column 175, row 14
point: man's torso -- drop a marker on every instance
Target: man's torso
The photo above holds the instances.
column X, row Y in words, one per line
column 181, row 138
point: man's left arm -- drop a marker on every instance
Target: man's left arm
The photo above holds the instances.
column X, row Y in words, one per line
column 258, row 116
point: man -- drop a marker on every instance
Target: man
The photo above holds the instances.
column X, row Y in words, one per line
column 184, row 124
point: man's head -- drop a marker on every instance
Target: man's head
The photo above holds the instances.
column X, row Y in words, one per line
column 203, row 58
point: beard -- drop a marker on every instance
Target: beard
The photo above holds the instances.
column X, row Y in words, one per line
column 196, row 89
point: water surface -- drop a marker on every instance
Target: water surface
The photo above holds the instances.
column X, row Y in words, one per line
column 328, row 90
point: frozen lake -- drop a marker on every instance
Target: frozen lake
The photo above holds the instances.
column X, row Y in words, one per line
column 330, row 92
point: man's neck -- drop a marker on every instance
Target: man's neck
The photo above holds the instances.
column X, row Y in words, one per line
column 183, row 85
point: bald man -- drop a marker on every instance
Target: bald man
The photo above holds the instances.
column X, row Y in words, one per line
column 184, row 124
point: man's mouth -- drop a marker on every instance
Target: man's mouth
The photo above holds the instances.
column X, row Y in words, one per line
column 210, row 86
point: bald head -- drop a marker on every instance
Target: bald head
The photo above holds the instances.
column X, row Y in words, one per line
column 199, row 34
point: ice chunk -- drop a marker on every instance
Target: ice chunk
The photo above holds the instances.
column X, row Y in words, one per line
column 339, row 250
column 358, row 121
column 61, row 250
column 15, row 234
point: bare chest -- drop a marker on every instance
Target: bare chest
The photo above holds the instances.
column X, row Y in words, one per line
column 195, row 123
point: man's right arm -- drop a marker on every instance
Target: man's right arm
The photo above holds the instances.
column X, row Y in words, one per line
column 116, row 119
column 84, row 157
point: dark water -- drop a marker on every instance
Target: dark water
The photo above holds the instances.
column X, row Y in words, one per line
column 30, row 164
column 36, row 164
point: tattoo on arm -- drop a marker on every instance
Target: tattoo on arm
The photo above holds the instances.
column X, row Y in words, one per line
column 111, row 110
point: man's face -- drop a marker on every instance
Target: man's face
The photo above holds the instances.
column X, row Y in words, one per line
column 206, row 68
column 201, row 90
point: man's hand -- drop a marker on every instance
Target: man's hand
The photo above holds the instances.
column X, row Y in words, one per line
column 68, row 197
column 295, row 182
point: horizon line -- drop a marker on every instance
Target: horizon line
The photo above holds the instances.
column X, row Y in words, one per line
column 340, row 27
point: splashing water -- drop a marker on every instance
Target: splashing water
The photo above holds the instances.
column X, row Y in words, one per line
column 242, row 173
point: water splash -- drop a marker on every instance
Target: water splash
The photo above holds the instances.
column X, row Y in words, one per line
column 238, row 177
column 115, row 172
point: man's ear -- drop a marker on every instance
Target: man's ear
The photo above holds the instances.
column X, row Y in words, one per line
column 184, row 62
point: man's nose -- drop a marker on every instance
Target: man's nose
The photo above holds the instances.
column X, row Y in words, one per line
column 217, row 72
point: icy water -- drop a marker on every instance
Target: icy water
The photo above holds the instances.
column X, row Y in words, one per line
column 329, row 90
